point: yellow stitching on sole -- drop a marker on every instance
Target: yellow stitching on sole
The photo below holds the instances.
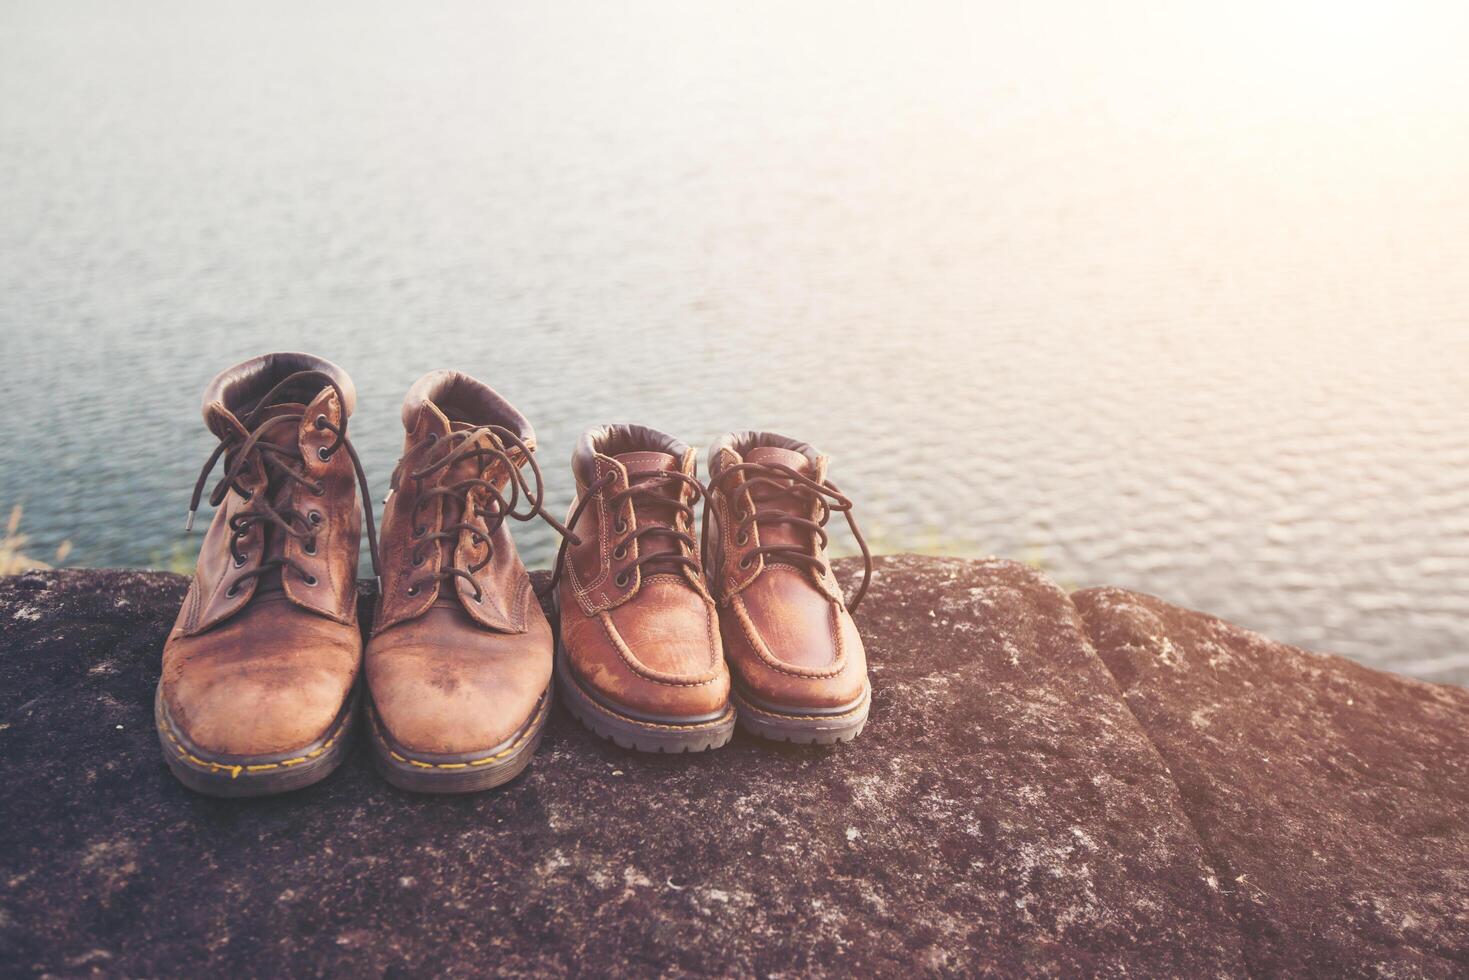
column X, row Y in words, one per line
column 235, row 770
column 378, row 735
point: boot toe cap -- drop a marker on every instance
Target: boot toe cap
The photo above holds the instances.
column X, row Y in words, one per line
column 424, row 717
column 774, row 664
column 272, row 680
column 640, row 664
column 440, row 701
column 257, row 712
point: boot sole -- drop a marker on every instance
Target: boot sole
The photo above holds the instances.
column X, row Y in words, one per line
column 234, row 776
column 636, row 733
column 804, row 728
column 470, row 772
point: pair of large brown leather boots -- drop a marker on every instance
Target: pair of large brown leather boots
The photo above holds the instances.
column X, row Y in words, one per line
column 261, row 671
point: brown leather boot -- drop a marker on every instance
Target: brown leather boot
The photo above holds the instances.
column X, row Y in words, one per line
column 459, row 660
column 258, row 688
column 639, row 658
column 800, row 673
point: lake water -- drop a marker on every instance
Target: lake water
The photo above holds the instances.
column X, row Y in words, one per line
column 1157, row 298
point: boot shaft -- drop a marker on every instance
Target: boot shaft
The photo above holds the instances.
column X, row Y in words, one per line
column 769, row 500
column 286, row 516
column 460, row 481
column 636, row 490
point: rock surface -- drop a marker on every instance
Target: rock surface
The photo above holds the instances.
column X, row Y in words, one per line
column 1333, row 800
column 1005, row 811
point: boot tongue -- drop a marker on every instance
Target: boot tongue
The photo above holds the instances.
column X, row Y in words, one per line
column 641, row 466
column 769, row 498
column 470, row 468
column 280, row 434
column 286, row 437
column 472, row 465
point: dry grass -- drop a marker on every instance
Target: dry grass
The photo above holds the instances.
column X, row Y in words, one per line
column 13, row 559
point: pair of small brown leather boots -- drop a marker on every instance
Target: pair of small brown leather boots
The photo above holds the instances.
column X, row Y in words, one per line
column 259, row 687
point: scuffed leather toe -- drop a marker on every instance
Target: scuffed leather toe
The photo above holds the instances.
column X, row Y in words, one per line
column 451, row 700
column 270, row 680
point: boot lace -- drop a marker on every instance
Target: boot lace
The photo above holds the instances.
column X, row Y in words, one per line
column 785, row 480
column 277, row 464
column 653, row 488
column 494, row 512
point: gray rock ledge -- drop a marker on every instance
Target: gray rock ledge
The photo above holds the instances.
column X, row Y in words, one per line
column 1049, row 784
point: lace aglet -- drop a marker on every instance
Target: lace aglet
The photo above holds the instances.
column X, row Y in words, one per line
column 389, row 496
column 189, row 524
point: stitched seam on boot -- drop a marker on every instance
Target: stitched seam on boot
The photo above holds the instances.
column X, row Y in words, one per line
column 637, row 667
column 711, row 618
column 768, row 657
column 738, row 579
column 604, row 568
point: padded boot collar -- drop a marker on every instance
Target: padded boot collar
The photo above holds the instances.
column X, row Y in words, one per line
column 235, row 391
column 740, row 444
column 460, row 398
column 613, row 440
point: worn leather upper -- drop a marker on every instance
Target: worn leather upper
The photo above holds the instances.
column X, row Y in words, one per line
column 270, row 679
column 444, row 684
column 258, row 664
column 456, row 665
column 787, row 633
column 643, row 638
column 412, row 514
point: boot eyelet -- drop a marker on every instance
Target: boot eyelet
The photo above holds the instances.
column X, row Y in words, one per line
column 321, row 421
column 621, row 526
column 323, row 455
column 419, row 532
column 745, row 562
column 232, row 591
column 310, row 580
column 418, row 561
column 319, row 490
column 239, row 562
column 413, row 590
column 309, row 547
column 433, row 437
column 621, row 580
column 246, row 495
column 314, row 517
column 743, row 538
column 479, row 599
column 619, row 552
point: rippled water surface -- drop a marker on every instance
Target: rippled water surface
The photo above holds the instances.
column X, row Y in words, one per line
column 1172, row 301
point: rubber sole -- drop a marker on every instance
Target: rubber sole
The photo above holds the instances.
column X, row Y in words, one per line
column 826, row 728
column 262, row 775
column 470, row 772
column 639, row 734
